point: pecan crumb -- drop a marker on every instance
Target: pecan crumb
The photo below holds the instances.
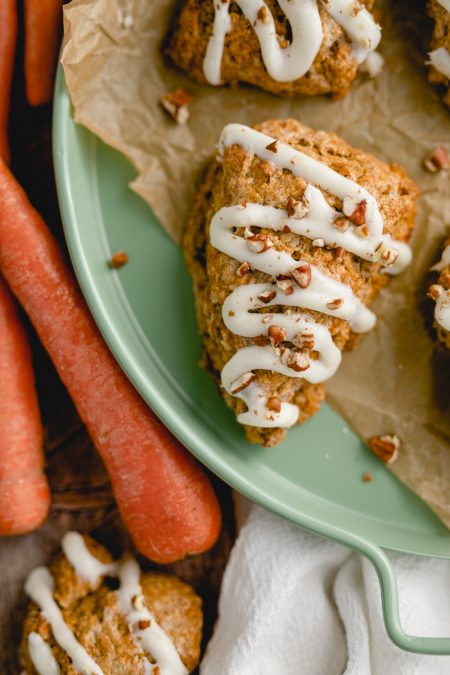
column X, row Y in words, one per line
column 276, row 335
column 119, row 259
column 292, row 203
column 258, row 243
column 138, row 602
column 358, row 216
column 302, row 275
column 335, row 304
column 176, row 103
column 297, row 361
column 385, row 447
column 272, row 146
column 143, row 624
column 437, row 160
column 367, row 477
column 242, row 382
column 262, row 14
column 267, row 296
column 243, row 269
column 285, row 285
column 342, row 223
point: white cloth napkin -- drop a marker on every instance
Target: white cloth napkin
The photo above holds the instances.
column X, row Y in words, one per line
column 293, row 603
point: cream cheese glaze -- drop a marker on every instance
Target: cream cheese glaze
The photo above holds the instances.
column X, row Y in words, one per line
column 292, row 62
column 442, row 308
column 143, row 625
column 309, row 287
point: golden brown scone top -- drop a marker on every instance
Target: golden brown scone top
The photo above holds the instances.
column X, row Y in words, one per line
column 92, row 614
column 332, row 71
column 242, row 177
column 440, row 38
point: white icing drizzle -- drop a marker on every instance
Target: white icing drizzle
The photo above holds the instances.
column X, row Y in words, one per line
column 440, row 59
column 443, row 262
column 315, row 221
column 152, row 638
column 39, row 586
column 87, row 566
column 41, row 655
column 148, row 634
column 442, row 308
column 291, row 63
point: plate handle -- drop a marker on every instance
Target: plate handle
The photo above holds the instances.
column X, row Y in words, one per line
column 391, row 612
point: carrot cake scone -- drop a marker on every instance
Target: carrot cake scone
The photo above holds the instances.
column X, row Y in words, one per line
column 291, row 236
column 150, row 625
column 287, row 47
column 440, row 293
column 439, row 73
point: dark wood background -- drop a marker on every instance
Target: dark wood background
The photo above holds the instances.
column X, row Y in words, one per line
column 81, row 491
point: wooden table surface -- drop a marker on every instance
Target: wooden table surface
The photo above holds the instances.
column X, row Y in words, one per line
column 82, row 498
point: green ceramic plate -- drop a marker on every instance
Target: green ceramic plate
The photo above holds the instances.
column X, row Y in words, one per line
column 146, row 314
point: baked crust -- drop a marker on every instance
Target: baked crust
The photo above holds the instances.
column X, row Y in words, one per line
column 242, row 177
column 94, row 618
column 440, row 38
column 332, row 71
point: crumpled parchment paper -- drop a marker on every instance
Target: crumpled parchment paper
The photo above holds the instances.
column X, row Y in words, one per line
column 396, row 381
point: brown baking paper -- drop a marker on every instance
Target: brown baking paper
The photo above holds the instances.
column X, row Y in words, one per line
column 396, row 381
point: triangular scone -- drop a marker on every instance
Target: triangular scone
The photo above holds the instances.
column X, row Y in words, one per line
column 439, row 56
column 90, row 614
column 289, row 47
column 267, row 248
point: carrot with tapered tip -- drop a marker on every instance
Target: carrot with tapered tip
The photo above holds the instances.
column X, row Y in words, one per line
column 165, row 500
column 43, row 27
column 24, row 491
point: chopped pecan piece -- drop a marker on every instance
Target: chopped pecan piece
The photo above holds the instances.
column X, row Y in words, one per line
column 276, row 334
column 385, row 447
column 335, row 304
column 272, row 146
column 341, row 223
column 302, row 275
column 242, row 382
column 437, row 160
column 258, row 243
column 176, row 104
column 285, row 284
column 119, row 259
column 243, row 269
column 267, row 296
column 297, row 361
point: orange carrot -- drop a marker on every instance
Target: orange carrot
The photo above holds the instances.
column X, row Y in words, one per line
column 43, row 24
column 24, row 492
column 164, row 498
column 8, row 38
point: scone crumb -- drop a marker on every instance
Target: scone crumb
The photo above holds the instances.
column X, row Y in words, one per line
column 367, row 477
column 176, row 103
column 385, row 447
column 119, row 259
column 438, row 160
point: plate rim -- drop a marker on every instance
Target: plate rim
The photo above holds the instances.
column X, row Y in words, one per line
column 146, row 388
